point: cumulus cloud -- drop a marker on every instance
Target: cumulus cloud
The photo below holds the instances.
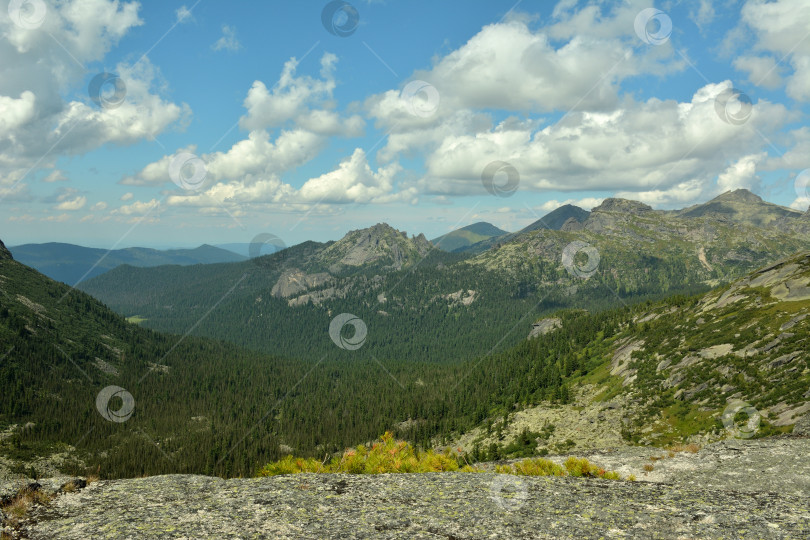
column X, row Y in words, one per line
column 72, row 204
column 55, row 176
column 37, row 123
column 781, row 30
column 352, row 181
column 138, row 207
column 762, row 70
column 641, row 146
column 585, row 203
column 251, row 170
column 577, row 62
column 741, row 174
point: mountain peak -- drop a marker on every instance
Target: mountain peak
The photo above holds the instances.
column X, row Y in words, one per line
column 555, row 219
column 4, row 253
column 614, row 204
column 378, row 244
column 738, row 195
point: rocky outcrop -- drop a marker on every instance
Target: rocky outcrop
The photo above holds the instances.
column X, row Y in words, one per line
column 544, row 326
column 381, row 245
column 295, row 281
column 622, row 205
column 4, row 253
column 756, row 489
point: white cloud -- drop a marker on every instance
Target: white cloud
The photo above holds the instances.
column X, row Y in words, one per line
column 647, row 146
column 251, row 160
column 126, row 196
column 101, row 205
column 585, row 203
column 742, row 174
column 16, row 112
column 55, row 176
column 228, row 41
column 781, row 28
column 801, row 203
column 296, row 98
column 138, row 207
column 72, row 204
column 762, row 70
column 674, row 196
column 508, row 66
column 183, row 14
column 353, row 181
column 703, row 14
column 37, row 123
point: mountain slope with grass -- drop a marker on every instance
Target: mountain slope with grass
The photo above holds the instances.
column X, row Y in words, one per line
column 733, row 362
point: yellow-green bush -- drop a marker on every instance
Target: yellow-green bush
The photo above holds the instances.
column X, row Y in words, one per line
column 582, row 467
column 388, row 455
column 385, row 456
column 532, row 467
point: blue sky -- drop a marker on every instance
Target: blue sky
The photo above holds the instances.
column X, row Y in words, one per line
column 236, row 119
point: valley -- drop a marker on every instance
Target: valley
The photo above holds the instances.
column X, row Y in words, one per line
column 632, row 354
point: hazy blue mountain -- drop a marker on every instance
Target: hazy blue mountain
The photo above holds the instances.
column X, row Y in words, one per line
column 70, row 263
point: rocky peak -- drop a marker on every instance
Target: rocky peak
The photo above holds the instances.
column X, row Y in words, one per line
column 738, row 195
column 379, row 244
column 4, row 253
column 622, row 205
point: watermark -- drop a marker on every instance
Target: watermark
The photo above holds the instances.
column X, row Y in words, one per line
column 187, row 171
column 107, row 90
column 27, row 14
column 653, row 26
column 508, row 492
column 264, row 244
column 123, row 413
column 576, row 267
column 737, row 429
column 348, row 343
column 802, row 185
column 733, row 106
column 340, row 18
column 421, row 98
column 500, row 168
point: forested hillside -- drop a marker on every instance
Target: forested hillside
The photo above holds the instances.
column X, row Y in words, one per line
column 208, row 407
column 203, row 406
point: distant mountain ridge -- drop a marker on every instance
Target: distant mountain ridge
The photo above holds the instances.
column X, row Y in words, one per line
column 554, row 220
column 467, row 236
column 70, row 263
column 740, row 206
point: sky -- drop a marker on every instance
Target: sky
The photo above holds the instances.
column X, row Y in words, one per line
column 173, row 124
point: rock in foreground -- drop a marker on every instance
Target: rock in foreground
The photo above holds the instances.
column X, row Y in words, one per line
column 686, row 502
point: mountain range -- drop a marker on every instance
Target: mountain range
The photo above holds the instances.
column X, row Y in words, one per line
column 641, row 326
column 492, row 295
column 71, row 264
